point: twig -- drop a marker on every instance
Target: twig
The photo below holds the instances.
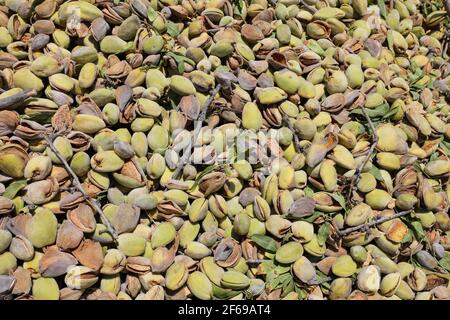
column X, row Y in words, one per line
column 134, row 159
column 357, row 173
column 255, row 261
column 447, row 34
column 373, row 223
column 445, row 41
column 447, row 7
column 16, row 98
column 76, row 182
column 197, row 129
column 307, row 6
column 297, row 144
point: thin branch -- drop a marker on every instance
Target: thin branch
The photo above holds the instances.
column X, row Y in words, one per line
column 134, row 159
column 445, row 42
column 357, row 173
column 76, row 182
column 297, row 144
column 447, row 33
column 197, row 129
column 255, row 261
column 308, row 7
column 7, row 102
column 373, row 223
column 447, row 7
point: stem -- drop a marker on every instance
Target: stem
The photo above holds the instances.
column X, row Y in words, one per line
column 197, row 129
column 255, row 261
column 357, row 173
column 16, row 98
column 447, row 34
column 447, row 7
column 308, row 7
column 445, row 42
column 373, row 223
column 134, row 159
column 76, row 182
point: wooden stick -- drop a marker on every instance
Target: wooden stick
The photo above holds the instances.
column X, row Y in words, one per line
column 76, row 182
column 447, row 7
column 373, row 223
column 255, row 261
column 357, row 173
column 311, row 9
column 134, row 159
column 197, row 129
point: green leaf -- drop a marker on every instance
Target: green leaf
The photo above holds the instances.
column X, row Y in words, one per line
column 339, row 198
column 282, row 280
column 434, row 156
column 270, row 276
column 415, row 76
column 382, row 7
column 151, row 14
column 376, row 173
column 314, row 216
column 267, row 266
column 315, row 47
column 308, row 191
column 390, row 39
column 265, row 242
column 418, row 230
column 180, row 60
column 207, row 170
column 173, row 104
column 287, row 237
column 377, row 112
column 391, row 112
column 408, row 237
column 418, row 86
column 172, row 29
column 324, row 232
column 288, row 285
column 239, row 8
column 417, row 167
column 14, row 188
column 300, row 291
column 320, row 276
column 446, row 147
column 102, row 194
column 445, row 262
column 274, row 283
column 282, row 269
